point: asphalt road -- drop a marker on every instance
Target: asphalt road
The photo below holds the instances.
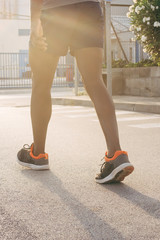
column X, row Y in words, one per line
column 65, row 203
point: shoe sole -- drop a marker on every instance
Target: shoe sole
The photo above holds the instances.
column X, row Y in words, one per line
column 118, row 174
column 32, row 166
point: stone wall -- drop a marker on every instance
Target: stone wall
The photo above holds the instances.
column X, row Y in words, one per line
column 117, row 81
column 142, row 81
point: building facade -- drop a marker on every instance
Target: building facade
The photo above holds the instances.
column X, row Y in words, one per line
column 13, row 9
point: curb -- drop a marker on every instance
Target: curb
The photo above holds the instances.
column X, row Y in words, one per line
column 138, row 107
column 72, row 102
column 119, row 105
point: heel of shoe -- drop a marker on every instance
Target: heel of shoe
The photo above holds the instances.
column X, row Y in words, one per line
column 123, row 173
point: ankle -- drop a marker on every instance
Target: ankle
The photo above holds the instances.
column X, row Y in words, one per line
column 110, row 154
column 36, row 151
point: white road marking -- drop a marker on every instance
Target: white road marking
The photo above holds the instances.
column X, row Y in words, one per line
column 80, row 109
column 122, row 116
column 66, row 107
column 74, row 111
column 136, row 118
column 146, row 125
column 85, row 110
column 82, row 115
column 14, row 96
column 124, row 112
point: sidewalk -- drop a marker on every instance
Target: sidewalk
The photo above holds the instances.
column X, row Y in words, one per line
column 21, row 97
column 129, row 103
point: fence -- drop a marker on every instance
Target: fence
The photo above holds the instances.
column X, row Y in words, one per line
column 15, row 71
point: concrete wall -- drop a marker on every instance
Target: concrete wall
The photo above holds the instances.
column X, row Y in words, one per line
column 142, row 81
column 117, row 80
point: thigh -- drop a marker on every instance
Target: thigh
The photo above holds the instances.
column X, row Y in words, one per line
column 89, row 61
column 57, row 24
column 43, row 66
column 89, row 31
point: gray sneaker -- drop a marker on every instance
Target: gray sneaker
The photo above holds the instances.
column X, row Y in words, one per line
column 26, row 158
column 115, row 169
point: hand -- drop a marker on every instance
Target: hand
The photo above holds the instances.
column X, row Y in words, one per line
column 36, row 37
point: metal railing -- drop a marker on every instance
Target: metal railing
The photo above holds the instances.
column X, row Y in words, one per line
column 15, row 71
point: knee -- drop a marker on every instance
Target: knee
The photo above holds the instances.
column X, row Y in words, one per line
column 41, row 84
column 94, row 85
column 41, row 90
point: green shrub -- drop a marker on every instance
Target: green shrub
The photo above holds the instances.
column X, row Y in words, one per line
column 143, row 63
column 124, row 64
column 119, row 63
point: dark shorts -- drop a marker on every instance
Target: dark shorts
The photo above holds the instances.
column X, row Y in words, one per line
column 72, row 27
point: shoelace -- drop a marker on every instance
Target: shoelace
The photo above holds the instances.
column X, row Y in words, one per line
column 103, row 164
column 26, row 146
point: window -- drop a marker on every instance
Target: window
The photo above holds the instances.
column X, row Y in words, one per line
column 23, row 32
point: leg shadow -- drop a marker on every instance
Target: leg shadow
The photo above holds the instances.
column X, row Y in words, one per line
column 148, row 204
column 96, row 227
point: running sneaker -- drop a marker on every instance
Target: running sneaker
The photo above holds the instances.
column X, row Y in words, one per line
column 115, row 169
column 26, row 158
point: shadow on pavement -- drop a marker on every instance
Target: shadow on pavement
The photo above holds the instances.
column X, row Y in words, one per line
column 148, row 204
column 96, row 227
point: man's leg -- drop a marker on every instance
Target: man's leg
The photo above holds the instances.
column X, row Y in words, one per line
column 116, row 166
column 43, row 67
column 89, row 61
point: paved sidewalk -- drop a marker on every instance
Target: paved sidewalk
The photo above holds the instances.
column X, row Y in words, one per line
column 130, row 103
column 21, row 98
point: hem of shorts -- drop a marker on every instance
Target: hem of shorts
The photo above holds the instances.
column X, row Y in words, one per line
column 72, row 51
column 62, row 5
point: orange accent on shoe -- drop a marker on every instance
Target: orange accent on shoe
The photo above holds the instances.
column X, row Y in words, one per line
column 41, row 155
column 117, row 153
column 126, row 171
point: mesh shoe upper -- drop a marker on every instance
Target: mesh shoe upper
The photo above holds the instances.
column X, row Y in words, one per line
column 26, row 155
column 119, row 158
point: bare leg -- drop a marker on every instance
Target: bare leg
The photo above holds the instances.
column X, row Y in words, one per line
column 89, row 62
column 43, row 66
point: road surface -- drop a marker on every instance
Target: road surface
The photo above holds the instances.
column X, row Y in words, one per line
column 65, row 203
